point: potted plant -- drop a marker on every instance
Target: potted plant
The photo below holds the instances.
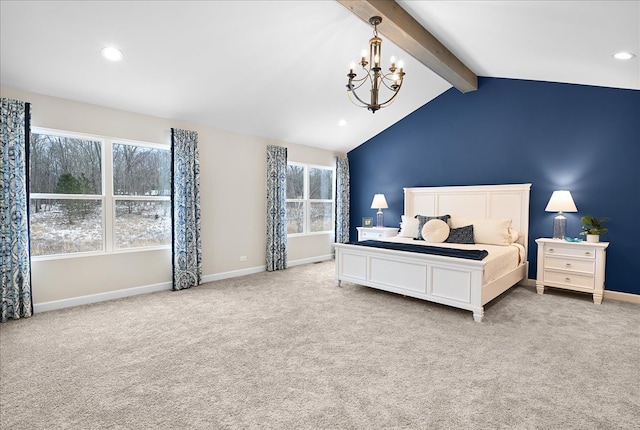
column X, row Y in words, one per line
column 593, row 228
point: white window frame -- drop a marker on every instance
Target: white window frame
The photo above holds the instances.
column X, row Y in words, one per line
column 307, row 201
column 107, row 197
column 116, row 197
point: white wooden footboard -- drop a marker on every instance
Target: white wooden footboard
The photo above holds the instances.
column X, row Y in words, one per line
column 449, row 281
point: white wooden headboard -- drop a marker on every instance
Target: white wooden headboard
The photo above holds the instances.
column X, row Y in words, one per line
column 479, row 201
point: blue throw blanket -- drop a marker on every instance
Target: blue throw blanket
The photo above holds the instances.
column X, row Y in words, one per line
column 469, row 254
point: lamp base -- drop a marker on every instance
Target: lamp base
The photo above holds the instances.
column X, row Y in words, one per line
column 380, row 219
column 559, row 226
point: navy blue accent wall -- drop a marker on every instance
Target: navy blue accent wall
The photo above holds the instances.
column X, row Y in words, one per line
column 555, row 136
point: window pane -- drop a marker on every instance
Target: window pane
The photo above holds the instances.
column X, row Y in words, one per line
column 295, row 182
column 320, row 184
column 64, row 226
column 142, row 223
column 141, row 171
column 64, row 165
column 321, row 216
column 295, row 217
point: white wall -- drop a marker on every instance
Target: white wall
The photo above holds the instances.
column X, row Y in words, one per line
column 233, row 196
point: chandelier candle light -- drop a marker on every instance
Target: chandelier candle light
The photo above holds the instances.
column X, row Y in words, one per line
column 379, row 202
column 374, row 74
column 560, row 201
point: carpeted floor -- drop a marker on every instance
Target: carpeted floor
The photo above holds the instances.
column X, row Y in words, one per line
column 290, row 350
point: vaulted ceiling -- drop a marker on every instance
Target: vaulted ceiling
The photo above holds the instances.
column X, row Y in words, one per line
column 278, row 68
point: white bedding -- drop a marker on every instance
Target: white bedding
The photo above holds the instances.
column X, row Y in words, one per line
column 501, row 258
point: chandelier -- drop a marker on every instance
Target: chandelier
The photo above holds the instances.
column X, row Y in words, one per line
column 374, row 74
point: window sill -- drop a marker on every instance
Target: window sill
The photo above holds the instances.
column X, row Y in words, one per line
column 98, row 253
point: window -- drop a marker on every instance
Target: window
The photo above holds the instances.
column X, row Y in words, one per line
column 310, row 199
column 92, row 194
column 142, row 190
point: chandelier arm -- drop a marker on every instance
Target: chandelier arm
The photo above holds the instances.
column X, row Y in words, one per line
column 358, row 98
column 360, row 82
column 389, row 88
column 388, row 102
column 389, row 77
column 352, row 101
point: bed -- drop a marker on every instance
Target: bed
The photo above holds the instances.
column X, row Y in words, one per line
column 449, row 280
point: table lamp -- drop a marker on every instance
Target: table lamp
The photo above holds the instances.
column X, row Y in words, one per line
column 379, row 202
column 560, row 201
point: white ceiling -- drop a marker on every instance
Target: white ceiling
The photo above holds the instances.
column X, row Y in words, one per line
column 278, row 68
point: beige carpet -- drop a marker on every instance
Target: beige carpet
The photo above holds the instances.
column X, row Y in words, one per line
column 290, row 350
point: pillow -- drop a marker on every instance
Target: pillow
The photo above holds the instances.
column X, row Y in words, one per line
column 435, row 231
column 408, row 227
column 422, row 220
column 492, row 231
column 514, row 235
column 461, row 235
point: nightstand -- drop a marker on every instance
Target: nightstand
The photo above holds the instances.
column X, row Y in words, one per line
column 577, row 266
column 375, row 233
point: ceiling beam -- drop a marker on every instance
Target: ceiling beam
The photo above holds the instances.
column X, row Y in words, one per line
column 402, row 29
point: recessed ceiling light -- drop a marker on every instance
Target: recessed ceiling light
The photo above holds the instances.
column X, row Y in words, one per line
column 624, row 55
column 342, row 123
column 111, row 53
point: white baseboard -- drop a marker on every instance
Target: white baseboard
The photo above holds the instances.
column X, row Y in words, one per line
column 623, row 297
column 100, row 297
column 317, row 259
column 233, row 274
column 528, row 283
column 258, row 269
column 118, row 294
column 608, row 294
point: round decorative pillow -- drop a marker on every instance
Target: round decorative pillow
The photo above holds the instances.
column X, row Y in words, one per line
column 435, row 231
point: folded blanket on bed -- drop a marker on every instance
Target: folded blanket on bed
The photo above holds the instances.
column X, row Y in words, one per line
column 469, row 254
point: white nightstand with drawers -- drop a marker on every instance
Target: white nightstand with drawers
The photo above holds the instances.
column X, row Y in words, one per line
column 375, row 233
column 577, row 266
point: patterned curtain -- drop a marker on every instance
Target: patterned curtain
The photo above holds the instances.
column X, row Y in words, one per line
column 185, row 202
column 342, row 200
column 276, row 208
column 15, row 263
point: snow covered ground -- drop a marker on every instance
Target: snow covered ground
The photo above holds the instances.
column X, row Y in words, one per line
column 62, row 230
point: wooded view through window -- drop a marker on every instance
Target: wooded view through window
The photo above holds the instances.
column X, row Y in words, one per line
column 93, row 195
column 143, row 175
column 310, row 199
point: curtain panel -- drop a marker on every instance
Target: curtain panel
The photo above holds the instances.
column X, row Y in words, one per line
column 15, row 262
column 342, row 200
column 276, row 208
column 185, row 203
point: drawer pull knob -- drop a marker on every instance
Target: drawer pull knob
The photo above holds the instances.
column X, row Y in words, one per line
column 567, row 279
column 587, row 253
column 568, row 265
column 550, row 249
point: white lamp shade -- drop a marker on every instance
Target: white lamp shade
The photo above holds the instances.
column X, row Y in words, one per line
column 379, row 202
column 561, row 201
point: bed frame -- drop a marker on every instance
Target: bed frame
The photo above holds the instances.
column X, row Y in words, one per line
column 450, row 281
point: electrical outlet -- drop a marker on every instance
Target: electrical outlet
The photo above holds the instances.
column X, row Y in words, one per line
column 243, row 258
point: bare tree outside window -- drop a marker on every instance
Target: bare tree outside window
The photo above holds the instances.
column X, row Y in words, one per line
column 320, row 184
column 295, row 181
column 65, row 182
column 320, row 199
column 310, row 199
column 144, row 217
column 295, row 198
column 141, row 171
column 69, row 210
